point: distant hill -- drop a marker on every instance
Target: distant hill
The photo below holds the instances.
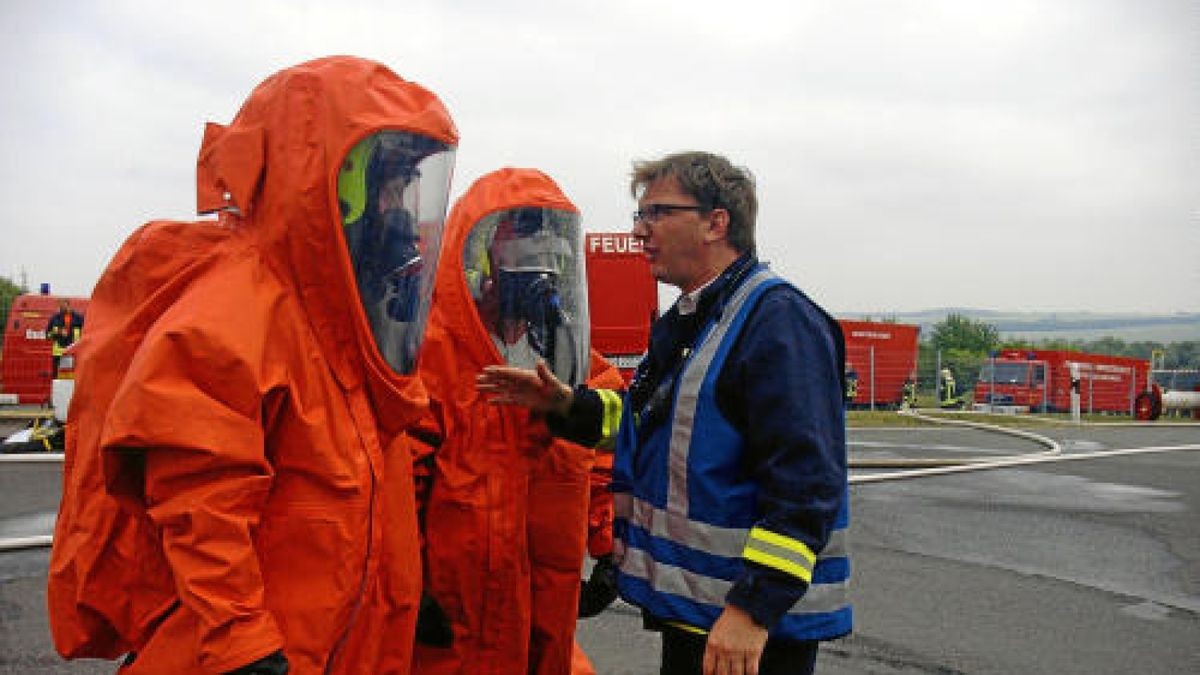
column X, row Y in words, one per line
column 1036, row 326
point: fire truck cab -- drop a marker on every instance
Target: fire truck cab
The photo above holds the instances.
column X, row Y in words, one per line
column 1017, row 383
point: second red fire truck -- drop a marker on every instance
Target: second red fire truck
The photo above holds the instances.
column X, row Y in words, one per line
column 1042, row 380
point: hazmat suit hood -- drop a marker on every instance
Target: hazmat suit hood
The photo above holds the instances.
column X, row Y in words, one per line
column 276, row 171
column 483, row 255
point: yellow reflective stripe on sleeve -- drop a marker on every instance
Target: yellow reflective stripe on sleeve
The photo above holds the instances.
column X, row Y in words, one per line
column 612, row 417
column 779, row 552
column 783, row 542
column 781, row 564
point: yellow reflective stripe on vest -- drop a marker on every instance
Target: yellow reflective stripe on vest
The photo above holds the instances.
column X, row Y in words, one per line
column 611, row 421
column 779, row 552
column 687, row 627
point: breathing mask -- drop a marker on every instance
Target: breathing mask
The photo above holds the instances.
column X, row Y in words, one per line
column 524, row 267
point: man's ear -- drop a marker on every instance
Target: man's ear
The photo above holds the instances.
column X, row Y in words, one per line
column 718, row 226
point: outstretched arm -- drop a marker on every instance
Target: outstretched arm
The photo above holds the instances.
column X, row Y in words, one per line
column 539, row 390
column 589, row 417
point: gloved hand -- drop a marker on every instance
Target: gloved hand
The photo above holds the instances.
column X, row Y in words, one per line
column 433, row 626
column 272, row 664
column 600, row 589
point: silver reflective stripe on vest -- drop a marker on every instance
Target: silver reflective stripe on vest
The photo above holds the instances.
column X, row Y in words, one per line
column 689, row 396
column 664, row 578
column 726, row 542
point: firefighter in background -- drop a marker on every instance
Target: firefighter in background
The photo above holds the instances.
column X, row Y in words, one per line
column 950, row 397
column 506, row 515
column 62, row 331
column 851, row 389
column 240, row 495
column 910, row 394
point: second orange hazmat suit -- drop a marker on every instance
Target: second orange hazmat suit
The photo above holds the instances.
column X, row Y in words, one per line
column 506, row 519
column 237, row 482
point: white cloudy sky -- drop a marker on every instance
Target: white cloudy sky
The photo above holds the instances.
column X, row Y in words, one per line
column 910, row 154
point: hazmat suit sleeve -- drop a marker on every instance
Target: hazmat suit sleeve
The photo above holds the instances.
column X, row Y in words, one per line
column 189, row 420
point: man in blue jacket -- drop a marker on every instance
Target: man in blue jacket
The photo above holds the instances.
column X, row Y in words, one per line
column 730, row 474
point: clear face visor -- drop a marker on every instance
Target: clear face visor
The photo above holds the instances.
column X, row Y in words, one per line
column 524, row 268
column 393, row 189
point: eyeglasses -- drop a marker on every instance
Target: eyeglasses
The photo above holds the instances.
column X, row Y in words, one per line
column 650, row 213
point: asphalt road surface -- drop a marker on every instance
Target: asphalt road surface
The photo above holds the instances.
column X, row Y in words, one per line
column 1088, row 566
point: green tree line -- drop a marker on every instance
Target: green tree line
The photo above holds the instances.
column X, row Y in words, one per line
column 958, row 332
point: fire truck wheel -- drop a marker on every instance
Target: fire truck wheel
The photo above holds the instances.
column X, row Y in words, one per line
column 1147, row 407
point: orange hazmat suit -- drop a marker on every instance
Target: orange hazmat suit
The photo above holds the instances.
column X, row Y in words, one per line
column 506, row 519
column 236, row 479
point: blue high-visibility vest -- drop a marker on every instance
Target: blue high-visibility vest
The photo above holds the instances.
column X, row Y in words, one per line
column 686, row 514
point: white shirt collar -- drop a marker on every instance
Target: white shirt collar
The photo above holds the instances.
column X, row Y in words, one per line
column 688, row 302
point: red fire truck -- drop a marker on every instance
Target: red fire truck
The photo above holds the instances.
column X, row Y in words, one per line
column 881, row 358
column 622, row 298
column 25, row 368
column 1042, row 380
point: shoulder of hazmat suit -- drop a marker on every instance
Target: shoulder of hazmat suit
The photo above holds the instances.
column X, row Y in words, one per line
column 235, row 439
column 506, row 518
